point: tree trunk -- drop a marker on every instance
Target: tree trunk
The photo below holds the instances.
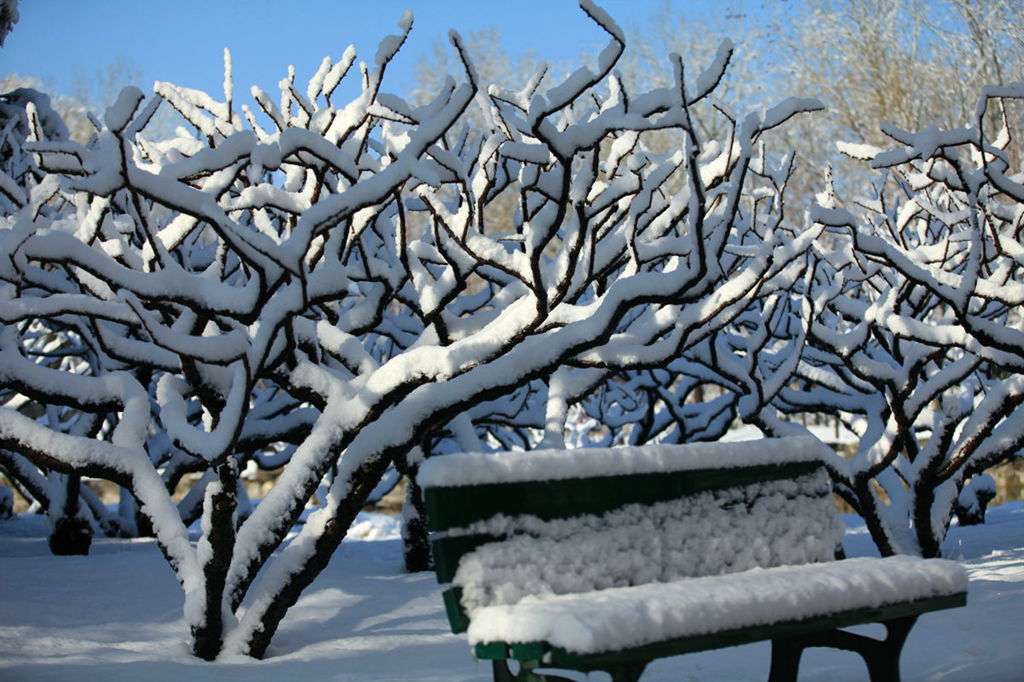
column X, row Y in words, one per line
column 6, row 503
column 71, row 532
column 415, row 537
column 868, row 504
column 219, row 513
column 364, row 480
column 924, row 526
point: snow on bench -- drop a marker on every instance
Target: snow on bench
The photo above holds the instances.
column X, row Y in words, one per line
column 604, row 559
column 621, row 618
column 475, row 468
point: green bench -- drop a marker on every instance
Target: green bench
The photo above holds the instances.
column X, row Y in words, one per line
column 607, row 559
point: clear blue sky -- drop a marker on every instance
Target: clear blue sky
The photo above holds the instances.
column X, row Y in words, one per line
column 182, row 41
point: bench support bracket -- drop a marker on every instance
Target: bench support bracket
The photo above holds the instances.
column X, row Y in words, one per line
column 881, row 656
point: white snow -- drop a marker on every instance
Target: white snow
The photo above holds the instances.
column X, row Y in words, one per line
column 116, row 616
column 767, row 524
column 460, row 469
column 618, row 618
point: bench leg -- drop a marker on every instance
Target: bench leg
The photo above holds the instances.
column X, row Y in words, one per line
column 627, row 672
column 884, row 664
column 786, row 658
column 881, row 656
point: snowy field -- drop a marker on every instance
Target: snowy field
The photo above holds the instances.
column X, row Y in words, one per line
column 116, row 615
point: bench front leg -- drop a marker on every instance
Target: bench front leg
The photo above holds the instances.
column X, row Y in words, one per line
column 881, row 656
column 786, row 654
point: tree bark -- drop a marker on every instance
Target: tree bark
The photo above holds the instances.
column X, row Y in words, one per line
column 363, row 482
column 221, row 503
column 71, row 533
column 415, row 537
column 868, row 503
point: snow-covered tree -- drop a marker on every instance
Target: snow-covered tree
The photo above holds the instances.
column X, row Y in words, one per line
column 73, row 509
column 918, row 346
column 323, row 286
column 912, row 63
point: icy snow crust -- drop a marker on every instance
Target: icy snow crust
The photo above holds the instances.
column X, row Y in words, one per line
column 620, row 618
column 722, row 531
column 462, row 469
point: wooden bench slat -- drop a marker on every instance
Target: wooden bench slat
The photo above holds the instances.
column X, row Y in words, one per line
column 455, row 507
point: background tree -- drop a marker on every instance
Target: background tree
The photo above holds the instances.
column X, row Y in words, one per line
column 72, row 507
column 909, row 64
column 918, row 347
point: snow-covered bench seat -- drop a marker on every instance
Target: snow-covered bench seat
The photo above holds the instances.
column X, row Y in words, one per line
column 606, row 559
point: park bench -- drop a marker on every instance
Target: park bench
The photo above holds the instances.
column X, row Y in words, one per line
column 607, row 559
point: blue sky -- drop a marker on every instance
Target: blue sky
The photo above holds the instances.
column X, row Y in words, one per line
column 182, row 41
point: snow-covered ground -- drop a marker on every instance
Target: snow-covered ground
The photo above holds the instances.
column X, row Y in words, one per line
column 116, row 615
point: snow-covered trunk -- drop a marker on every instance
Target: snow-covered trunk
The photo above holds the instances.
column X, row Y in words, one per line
column 415, row 539
column 70, row 523
column 214, row 552
column 933, row 511
column 259, row 538
column 311, row 555
column 874, row 519
column 6, row 503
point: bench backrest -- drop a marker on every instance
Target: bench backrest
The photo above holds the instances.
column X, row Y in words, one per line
column 511, row 525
